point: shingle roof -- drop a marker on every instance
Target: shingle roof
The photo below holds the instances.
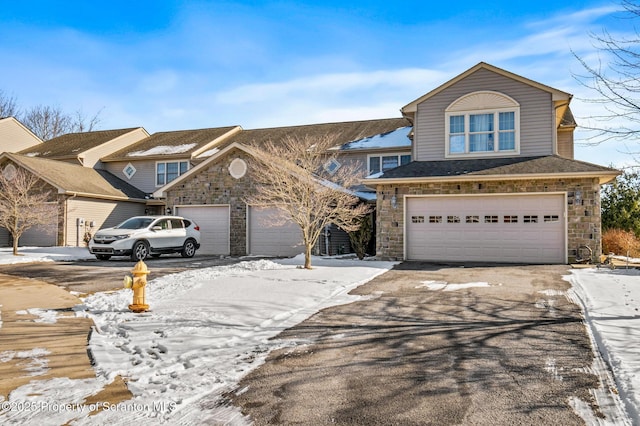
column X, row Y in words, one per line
column 345, row 131
column 551, row 164
column 76, row 178
column 73, row 144
column 177, row 144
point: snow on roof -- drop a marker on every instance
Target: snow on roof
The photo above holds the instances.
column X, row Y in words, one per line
column 210, row 152
column 163, row 150
column 393, row 139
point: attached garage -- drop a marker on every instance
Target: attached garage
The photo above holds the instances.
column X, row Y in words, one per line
column 270, row 234
column 213, row 221
column 486, row 228
column 42, row 235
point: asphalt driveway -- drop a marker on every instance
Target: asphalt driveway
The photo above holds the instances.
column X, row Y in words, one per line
column 515, row 352
column 90, row 276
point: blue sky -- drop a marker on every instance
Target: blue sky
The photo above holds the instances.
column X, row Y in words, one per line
column 172, row 65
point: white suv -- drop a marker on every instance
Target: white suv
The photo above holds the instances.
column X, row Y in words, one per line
column 143, row 236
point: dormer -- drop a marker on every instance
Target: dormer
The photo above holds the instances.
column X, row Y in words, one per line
column 488, row 112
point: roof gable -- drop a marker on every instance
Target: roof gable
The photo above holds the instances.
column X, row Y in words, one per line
column 18, row 135
column 75, row 179
column 555, row 93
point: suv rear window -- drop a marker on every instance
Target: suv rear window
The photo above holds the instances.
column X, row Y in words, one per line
column 176, row 224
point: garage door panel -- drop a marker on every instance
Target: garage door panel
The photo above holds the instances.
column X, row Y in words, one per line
column 501, row 228
column 272, row 234
column 214, row 227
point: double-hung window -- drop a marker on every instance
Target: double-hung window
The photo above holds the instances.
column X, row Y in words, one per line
column 473, row 127
column 169, row 170
column 382, row 163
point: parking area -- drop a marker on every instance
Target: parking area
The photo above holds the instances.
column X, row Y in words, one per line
column 90, row 276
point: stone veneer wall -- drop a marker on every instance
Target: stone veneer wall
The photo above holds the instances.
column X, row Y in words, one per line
column 583, row 209
column 215, row 185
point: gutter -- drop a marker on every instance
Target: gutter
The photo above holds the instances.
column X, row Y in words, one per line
column 603, row 178
column 102, row 197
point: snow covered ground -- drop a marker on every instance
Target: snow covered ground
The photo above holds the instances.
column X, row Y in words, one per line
column 611, row 302
column 207, row 328
column 43, row 254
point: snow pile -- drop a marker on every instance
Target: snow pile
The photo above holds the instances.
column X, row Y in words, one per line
column 611, row 302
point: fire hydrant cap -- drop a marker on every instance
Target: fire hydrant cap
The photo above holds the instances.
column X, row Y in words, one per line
column 140, row 268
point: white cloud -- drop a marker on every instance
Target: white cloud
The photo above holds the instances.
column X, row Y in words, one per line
column 334, row 84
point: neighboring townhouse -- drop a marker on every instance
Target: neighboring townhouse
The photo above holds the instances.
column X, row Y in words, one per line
column 158, row 159
column 213, row 192
column 15, row 136
column 493, row 177
column 87, row 199
column 86, row 148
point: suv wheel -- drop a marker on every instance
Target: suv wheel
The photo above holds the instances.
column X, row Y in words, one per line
column 140, row 251
column 189, row 248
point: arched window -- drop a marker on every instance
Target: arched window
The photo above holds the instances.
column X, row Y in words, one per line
column 482, row 124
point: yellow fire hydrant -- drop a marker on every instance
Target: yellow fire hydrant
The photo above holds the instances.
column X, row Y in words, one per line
column 138, row 283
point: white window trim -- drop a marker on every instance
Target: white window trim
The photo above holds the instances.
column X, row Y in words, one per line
column 386, row 154
column 155, row 171
column 481, row 103
column 496, row 151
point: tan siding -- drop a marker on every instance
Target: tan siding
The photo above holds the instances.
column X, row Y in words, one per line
column 536, row 115
column 565, row 144
column 14, row 137
column 103, row 214
column 91, row 157
column 145, row 177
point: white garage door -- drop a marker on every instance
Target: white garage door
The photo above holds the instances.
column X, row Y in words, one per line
column 270, row 235
column 506, row 228
column 214, row 227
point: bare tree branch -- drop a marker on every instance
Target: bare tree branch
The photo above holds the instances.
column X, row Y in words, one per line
column 8, row 105
column 614, row 79
column 24, row 203
column 292, row 176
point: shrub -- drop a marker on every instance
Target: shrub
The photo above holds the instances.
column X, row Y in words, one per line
column 360, row 238
column 619, row 241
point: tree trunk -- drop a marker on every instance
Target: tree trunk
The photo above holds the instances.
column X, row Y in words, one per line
column 307, row 255
column 15, row 246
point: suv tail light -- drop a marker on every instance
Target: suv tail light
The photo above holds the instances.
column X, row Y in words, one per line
column 196, row 227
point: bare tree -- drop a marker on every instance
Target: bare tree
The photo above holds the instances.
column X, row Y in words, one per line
column 24, row 203
column 47, row 122
column 8, row 105
column 298, row 175
column 82, row 123
column 615, row 80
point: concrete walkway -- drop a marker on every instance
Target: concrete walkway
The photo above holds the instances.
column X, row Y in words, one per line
column 34, row 347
